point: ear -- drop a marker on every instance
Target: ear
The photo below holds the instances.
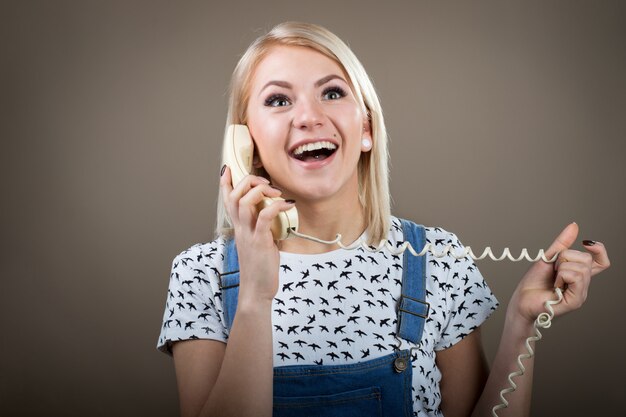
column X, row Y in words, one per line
column 366, row 137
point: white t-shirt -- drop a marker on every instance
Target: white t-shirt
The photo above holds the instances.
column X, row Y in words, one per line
column 338, row 307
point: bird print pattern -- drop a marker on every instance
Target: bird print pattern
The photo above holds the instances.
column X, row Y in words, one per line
column 339, row 307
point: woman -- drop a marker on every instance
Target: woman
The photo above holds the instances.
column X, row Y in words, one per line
column 308, row 312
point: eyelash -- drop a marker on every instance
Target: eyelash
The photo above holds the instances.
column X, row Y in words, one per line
column 271, row 99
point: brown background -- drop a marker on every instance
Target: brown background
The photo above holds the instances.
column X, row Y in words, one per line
column 506, row 122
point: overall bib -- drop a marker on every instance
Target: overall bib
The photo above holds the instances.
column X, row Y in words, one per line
column 373, row 388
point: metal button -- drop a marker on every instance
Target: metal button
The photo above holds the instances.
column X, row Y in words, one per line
column 400, row 364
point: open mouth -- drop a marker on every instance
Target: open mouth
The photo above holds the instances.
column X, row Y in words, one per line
column 317, row 151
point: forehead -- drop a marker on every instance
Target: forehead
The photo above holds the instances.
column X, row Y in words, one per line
column 293, row 63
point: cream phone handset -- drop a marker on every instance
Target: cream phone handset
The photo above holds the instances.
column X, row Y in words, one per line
column 237, row 154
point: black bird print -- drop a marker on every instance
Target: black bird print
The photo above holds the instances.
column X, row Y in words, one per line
column 338, row 311
column 339, row 329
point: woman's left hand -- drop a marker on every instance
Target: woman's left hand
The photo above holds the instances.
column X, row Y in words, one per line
column 571, row 272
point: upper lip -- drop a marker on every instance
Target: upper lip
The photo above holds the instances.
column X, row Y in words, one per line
column 306, row 141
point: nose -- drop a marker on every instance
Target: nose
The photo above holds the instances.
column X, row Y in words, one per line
column 308, row 114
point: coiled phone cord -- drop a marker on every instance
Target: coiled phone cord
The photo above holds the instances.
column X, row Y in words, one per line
column 544, row 320
column 428, row 247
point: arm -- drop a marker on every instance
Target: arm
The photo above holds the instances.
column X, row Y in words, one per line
column 236, row 379
column 572, row 271
column 466, row 383
column 464, row 371
column 215, row 379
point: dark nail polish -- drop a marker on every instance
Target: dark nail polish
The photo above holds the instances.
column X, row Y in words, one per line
column 589, row 242
column 290, row 201
column 223, row 169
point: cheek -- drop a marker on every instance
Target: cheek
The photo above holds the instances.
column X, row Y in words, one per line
column 268, row 138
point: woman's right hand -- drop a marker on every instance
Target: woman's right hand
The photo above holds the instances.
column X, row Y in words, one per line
column 257, row 251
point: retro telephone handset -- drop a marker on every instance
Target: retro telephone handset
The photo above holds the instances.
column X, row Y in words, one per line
column 238, row 153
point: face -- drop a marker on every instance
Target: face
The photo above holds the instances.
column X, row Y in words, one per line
column 306, row 124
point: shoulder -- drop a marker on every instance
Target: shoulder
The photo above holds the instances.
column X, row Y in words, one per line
column 435, row 235
column 202, row 256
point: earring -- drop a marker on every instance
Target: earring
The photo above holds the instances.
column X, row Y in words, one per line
column 367, row 144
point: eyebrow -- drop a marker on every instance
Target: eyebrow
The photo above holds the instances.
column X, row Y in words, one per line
column 318, row 83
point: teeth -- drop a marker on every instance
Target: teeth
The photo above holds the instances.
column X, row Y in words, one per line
column 314, row 146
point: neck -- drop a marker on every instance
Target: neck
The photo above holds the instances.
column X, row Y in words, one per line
column 324, row 220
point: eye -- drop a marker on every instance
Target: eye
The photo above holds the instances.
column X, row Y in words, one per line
column 334, row 93
column 276, row 100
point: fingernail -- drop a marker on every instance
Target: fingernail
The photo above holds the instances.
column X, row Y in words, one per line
column 276, row 188
column 589, row 242
column 265, row 180
column 223, row 169
column 290, row 201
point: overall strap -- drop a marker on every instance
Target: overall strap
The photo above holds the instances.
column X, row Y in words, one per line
column 229, row 282
column 412, row 306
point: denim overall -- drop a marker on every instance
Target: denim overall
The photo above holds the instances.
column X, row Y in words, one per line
column 377, row 387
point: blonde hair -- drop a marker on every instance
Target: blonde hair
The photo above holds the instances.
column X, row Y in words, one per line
column 373, row 165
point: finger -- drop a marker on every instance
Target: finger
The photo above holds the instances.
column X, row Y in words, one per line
column 246, row 184
column 249, row 202
column 563, row 241
column 570, row 255
column 576, row 290
column 267, row 215
column 579, row 268
column 226, row 188
column 599, row 255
